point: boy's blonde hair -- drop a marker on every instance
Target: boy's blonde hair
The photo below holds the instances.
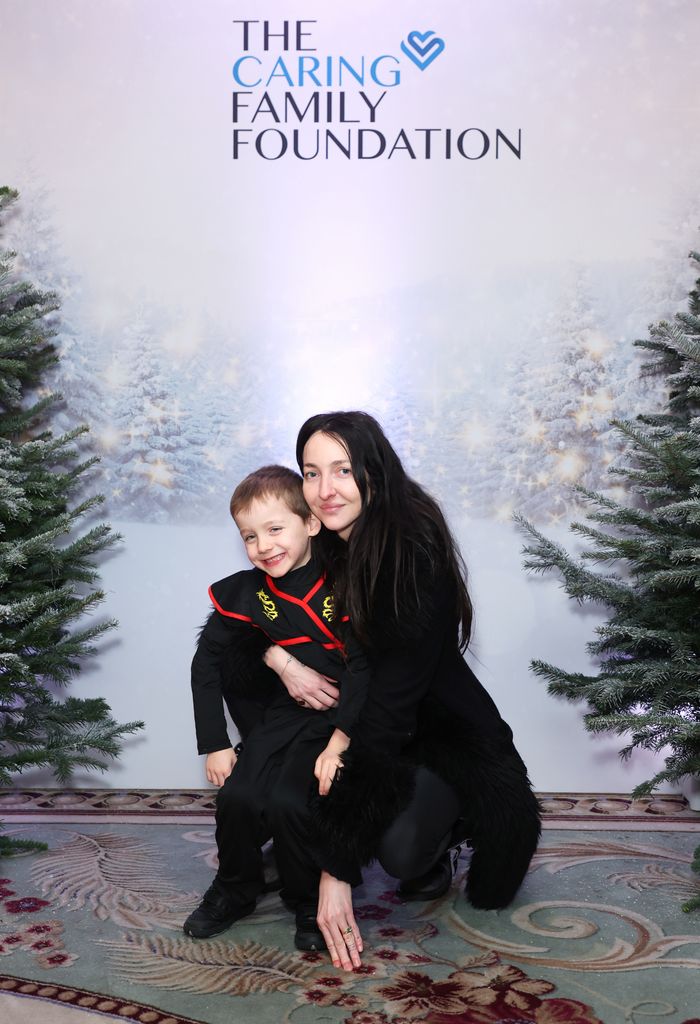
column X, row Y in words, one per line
column 271, row 482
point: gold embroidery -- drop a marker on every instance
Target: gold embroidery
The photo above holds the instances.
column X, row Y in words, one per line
column 328, row 609
column 268, row 605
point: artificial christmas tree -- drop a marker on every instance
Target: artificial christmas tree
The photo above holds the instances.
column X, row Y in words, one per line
column 647, row 683
column 47, row 571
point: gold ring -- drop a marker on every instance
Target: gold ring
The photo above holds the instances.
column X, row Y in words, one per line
column 348, row 930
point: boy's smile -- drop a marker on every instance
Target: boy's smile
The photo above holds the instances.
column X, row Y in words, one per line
column 277, row 540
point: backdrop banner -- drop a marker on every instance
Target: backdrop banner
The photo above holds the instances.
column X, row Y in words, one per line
column 456, row 219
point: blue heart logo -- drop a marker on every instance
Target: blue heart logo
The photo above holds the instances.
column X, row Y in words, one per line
column 423, row 53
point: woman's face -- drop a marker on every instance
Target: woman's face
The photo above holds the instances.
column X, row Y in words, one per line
column 329, row 486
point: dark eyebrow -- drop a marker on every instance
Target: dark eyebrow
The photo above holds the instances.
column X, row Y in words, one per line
column 336, row 462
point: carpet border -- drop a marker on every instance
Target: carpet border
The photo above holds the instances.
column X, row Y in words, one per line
column 189, row 806
column 69, row 995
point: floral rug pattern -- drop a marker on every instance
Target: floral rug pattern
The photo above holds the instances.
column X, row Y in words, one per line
column 596, row 936
column 42, row 938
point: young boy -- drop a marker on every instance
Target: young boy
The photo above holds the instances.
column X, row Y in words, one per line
column 284, row 601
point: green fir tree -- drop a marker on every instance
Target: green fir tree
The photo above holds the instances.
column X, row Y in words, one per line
column 647, row 684
column 47, row 570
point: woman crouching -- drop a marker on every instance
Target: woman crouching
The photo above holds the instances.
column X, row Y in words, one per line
column 430, row 760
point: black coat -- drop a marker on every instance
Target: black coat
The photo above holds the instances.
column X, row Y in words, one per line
column 251, row 610
column 426, row 706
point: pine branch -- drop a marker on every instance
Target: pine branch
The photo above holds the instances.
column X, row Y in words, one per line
column 694, row 902
column 10, row 847
column 48, row 574
column 580, row 583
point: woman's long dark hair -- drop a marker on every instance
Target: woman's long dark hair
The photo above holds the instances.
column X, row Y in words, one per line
column 400, row 534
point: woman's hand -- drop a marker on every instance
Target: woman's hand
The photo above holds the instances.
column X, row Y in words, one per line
column 219, row 765
column 329, row 761
column 337, row 922
column 304, row 685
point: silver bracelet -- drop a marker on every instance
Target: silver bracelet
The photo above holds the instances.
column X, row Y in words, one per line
column 286, row 664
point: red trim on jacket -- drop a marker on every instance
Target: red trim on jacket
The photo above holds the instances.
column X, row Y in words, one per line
column 231, row 615
column 334, row 645
column 304, row 640
column 309, row 611
column 313, row 590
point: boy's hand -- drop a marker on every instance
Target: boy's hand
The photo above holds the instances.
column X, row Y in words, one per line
column 328, row 761
column 219, row 765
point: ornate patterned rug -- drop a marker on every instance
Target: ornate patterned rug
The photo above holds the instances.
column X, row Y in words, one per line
column 90, row 933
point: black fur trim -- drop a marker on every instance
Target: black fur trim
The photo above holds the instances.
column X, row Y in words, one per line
column 498, row 805
column 370, row 791
column 500, row 809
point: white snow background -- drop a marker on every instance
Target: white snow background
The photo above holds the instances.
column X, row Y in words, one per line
column 484, row 311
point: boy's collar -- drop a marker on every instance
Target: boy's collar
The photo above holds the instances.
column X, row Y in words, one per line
column 310, row 567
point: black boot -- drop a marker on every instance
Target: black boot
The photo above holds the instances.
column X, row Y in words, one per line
column 308, row 935
column 434, row 883
column 217, row 912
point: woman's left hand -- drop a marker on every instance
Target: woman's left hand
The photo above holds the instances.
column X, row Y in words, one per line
column 304, row 684
column 337, row 922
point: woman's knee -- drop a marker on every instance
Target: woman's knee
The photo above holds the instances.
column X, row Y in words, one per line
column 402, row 856
column 421, row 832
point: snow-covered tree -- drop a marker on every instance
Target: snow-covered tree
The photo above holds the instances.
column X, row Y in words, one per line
column 151, row 466
column 39, row 255
column 561, row 401
column 47, row 572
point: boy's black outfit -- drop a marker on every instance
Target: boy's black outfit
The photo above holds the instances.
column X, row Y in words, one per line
column 253, row 610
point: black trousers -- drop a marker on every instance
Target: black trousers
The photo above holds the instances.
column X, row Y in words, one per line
column 409, row 847
column 267, row 796
column 288, row 737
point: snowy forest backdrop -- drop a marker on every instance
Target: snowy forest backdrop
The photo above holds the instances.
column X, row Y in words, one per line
column 495, row 406
column 485, row 312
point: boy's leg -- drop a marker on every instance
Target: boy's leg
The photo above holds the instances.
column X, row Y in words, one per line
column 241, row 829
column 242, row 824
column 290, row 823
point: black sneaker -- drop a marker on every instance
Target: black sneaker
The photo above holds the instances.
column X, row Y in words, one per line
column 434, row 883
column 217, row 912
column 308, row 935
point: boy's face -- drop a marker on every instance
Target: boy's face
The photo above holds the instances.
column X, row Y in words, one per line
column 276, row 539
